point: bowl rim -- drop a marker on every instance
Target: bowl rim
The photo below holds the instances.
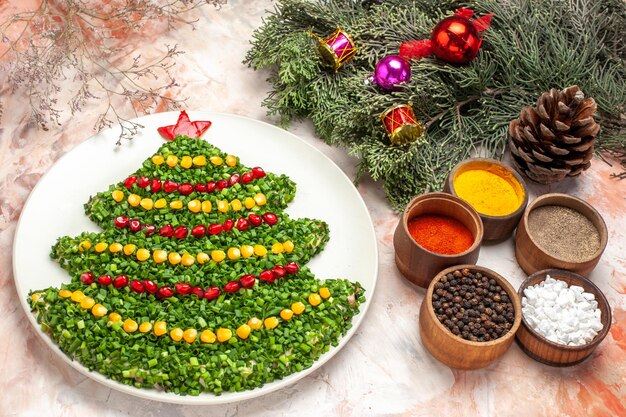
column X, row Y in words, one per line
column 522, row 207
column 455, row 199
column 600, row 297
column 504, row 283
column 603, row 233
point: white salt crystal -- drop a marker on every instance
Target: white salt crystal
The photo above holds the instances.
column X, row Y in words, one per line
column 589, row 296
column 577, row 288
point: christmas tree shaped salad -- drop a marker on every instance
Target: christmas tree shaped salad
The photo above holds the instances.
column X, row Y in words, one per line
column 197, row 281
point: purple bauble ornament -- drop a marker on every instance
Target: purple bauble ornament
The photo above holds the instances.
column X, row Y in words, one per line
column 390, row 72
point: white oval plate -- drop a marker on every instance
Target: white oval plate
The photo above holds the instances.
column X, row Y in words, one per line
column 55, row 208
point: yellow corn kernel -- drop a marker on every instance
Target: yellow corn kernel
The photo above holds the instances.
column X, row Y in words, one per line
column 260, row 250
column 207, row 336
column 270, row 322
column 157, row 160
column 134, row 200
column 145, row 327
column 202, row 258
column 247, row 251
column 84, row 245
column 260, row 199
column 77, row 296
column 101, row 247
column 160, row 328
column 186, row 162
column 199, row 160
column 115, row 317
column 87, row 303
column 146, row 203
column 224, row 335
column 216, row 160
column 236, row 204
column 65, row 293
column 243, row 331
column 234, row 254
column 315, row 299
column 35, row 297
column 218, row 255
column 207, row 206
column 222, row 206
column 249, row 203
column 194, row 206
column 297, row 307
column 324, row 293
column 129, row 248
column 98, row 310
column 160, row 203
column 117, row 195
column 255, row 323
column 143, row 254
column 190, row 335
column 288, row 246
column 176, row 334
column 159, row 256
column 187, row 259
column 171, row 160
column 286, row 314
column 174, row 258
column 176, row 205
column 231, row 160
column 115, row 247
column 130, row 326
column 277, row 248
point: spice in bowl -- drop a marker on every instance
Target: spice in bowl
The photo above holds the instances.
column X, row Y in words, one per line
column 491, row 189
column 440, row 234
column 473, row 306
column 564, row 315
column 564, row 233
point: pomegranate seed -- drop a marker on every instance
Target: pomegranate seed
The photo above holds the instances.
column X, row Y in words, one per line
column 183, row 288
column 242, row 223
column 270, row 219
column 210, row 187
column 137, row 286
column 247, row 177
column 120, row 281
column 87, row 278
column 292, row 268
column 266, row 276
column 185, row 188
column 221, row 184
column 255, row 219
column 232, row 286
column 215, row 228
column 199, row 292
column 156, row 185
column 228, row 224
column 170, row 186
column 134, row 225
column 150, row 229
column 200, row 187
column 257, row 172
column 279, row 271
column 167, row 230
column 121, row 221
column 247, row 281
column 150, row 286
column 198, row 231
column 212, row 293
column 105, row 280
column 165, row 292
column 128, row 182
column 181, row 232
column 143, row 182
column 234, row 179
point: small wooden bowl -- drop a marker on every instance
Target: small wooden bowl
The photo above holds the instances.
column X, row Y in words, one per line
column 496, row 228
column 533, row 258
column 419, row 265
column 453, row 350
column 545, row 351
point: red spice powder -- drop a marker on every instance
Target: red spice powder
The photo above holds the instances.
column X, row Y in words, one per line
column 440, row 234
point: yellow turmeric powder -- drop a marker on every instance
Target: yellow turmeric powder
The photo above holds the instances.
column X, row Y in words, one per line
column 492, row 190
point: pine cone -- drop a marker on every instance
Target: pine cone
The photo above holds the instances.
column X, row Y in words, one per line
column 555, row 139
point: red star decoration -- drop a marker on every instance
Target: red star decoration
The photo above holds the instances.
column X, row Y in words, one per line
column 184, row 127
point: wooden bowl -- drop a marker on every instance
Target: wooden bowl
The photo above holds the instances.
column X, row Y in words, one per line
column 453, row 350
column 420, row 265
column 533, row 258
column 496, row 228
column 543, row 350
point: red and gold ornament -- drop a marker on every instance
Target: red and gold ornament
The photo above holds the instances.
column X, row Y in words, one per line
column 401, row 124
column 336, row 49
